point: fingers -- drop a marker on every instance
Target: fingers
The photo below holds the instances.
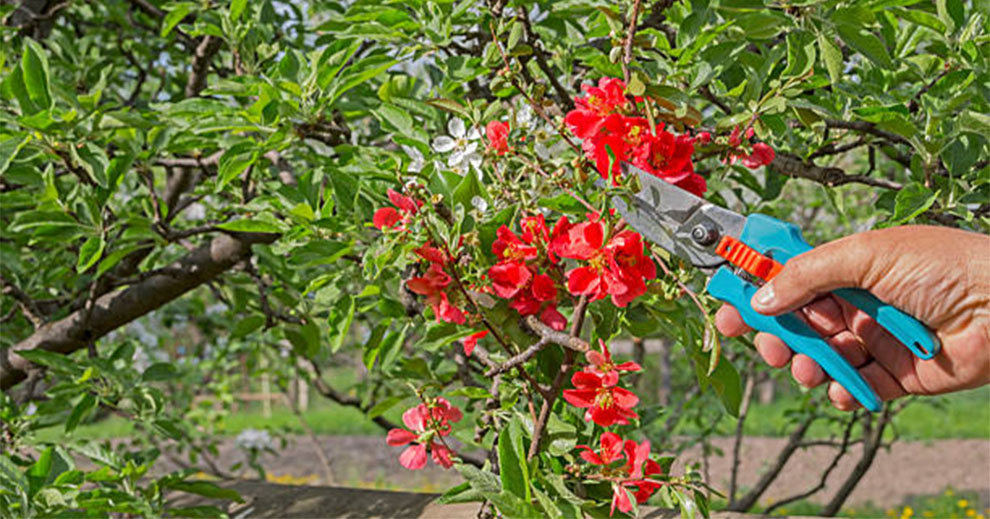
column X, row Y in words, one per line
column 729, row 322
column 881, row 380
column 772, row 349
column 841, row 263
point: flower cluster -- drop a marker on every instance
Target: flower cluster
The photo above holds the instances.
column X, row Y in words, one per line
column 428, row 423
column 607, row 404
column 611, row 133
column 597, row 390
column 631, row 478
column 435, row 285
column 616, row 267
column 521, row 271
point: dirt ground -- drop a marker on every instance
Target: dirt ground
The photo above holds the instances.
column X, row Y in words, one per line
column 907, row 469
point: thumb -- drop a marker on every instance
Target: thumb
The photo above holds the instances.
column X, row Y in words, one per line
column 838, row 264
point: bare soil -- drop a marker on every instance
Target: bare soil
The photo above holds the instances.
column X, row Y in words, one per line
column 907, row 469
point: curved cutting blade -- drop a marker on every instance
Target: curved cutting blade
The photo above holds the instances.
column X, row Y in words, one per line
column 666, row 215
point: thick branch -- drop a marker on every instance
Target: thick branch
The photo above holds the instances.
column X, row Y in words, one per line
column 116, row 309
column 552, row 336
column 792, row 166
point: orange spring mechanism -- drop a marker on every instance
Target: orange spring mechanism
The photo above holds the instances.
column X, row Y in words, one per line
column 748, row 259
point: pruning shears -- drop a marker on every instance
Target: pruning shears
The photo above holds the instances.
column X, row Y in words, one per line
column 740, row 253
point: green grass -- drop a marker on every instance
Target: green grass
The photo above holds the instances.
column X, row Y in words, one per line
column 947, row 505
column 960, row 415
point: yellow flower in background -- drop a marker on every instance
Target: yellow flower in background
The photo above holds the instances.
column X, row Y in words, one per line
column 970, row 513
column 891, row 512
column 907, row 512
column 962, row 503
column 949, row 492
column 928, row 513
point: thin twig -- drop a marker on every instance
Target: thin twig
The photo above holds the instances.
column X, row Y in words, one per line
column 627, row 47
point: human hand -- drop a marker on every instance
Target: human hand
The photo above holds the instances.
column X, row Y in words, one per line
column 940, row 276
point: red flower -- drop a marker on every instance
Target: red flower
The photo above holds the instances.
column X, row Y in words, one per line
column 543, row 288
column 387, row 217
column 498, row 133
column 606, row 405
column 509, row 277
column 509, row 247
column 601, row 364
column 578, row 241
column 435, row 418
column 472, row 341
column 618, row 268
column 431, row 254
column 432, row 285
column 693, row 183
column 762, row 155
column 552, row 318
column 640, row 467
column 665, row 155
column 610, row 450
column 534, row 229
column 705, row 137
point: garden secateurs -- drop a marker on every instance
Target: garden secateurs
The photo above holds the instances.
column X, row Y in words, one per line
column 739, row 253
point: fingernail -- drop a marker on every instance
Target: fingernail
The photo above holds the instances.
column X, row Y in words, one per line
column 764, row 296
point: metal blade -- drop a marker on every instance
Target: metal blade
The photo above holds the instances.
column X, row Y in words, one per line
column 678, row 221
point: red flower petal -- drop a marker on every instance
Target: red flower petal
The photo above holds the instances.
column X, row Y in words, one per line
column 385, row 218
column 472, row 341
column 554, row 319
column 580, row 397
column 414, row 457
column 404, row 203
column 415, row 418
column 584, row 281
column 543, row 288
column 397, row 437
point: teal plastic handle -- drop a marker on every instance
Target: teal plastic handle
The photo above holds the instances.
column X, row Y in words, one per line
column 732, row 289
column 782, row 241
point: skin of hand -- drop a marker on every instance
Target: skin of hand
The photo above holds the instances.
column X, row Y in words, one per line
column 941, row 276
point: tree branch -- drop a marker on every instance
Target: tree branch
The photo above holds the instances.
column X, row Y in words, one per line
column 113, row 310
column 792, row 166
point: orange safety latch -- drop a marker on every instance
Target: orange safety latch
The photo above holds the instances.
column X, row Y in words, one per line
column 748, row 259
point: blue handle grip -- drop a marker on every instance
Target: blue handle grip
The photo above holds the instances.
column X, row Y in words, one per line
column 732, row 289
column 782, row 241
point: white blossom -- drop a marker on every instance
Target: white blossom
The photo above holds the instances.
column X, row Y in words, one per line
column 479, row 203
column 416, row 156
column 462, row 144
column 254, row 439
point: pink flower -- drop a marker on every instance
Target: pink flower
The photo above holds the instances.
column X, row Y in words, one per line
column 424, row 423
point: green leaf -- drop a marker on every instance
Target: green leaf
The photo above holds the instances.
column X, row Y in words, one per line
column 305, row 339
column 175, row 15
column 472, row 392
column 10, row 147
column 160, row 371
column 34, row 65
column 38, row 473
column 79, row 413
column 912, row 200
column 449, row 105
column 56, row 361
column 467, row 189
column 13, row 474
column 247, row 325
column 832, row 57
column 90, row 253
column 513, row 468
column 250, row 225
column 236, row 8
column 515, row 34
column 801, row 53
column 480, row 480
column 728, row 386
column 205, row 489
column 867, row 44
column 462, row 493
column 341, row 318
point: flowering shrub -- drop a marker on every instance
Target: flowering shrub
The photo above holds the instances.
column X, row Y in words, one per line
column 341, row 192
column 519, row 281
